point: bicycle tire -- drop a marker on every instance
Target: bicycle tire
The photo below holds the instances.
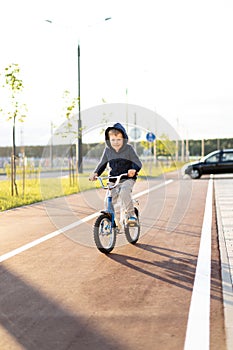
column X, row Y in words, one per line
column 133, row 233
column 104, row 232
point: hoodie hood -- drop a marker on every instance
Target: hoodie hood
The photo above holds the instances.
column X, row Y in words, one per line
column 119, row 127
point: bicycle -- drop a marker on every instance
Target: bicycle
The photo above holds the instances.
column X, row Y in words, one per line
column 106, row 226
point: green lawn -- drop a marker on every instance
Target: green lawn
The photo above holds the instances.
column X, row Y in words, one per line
column 37, row 190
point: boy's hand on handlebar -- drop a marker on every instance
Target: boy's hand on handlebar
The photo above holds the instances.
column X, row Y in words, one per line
column 93, row 177
column 131, row 172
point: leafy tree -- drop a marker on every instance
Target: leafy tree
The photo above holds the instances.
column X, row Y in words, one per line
column 164, row 146
column 145, row 145
column 71, row 104
column 15, row 110
column 168, row 147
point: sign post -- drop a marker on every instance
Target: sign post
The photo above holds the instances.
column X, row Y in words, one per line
column 151, row 138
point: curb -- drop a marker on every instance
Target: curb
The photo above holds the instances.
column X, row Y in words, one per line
column 227, row 287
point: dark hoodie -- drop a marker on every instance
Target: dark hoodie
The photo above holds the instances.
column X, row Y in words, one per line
column 119, row 162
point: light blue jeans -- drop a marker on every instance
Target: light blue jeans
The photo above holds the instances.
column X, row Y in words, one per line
column 123, row 192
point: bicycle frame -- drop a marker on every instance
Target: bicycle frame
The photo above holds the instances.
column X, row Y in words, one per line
column 109, row 187
column 110, row 209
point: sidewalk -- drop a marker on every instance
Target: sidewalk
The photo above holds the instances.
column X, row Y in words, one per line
column 223, row 186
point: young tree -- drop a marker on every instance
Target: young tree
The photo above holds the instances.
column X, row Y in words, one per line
column 14, row 110
column 70, row 106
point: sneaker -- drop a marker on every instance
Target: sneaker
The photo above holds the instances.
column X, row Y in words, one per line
column 132, row 221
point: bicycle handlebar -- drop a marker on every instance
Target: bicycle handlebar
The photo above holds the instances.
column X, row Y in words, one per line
column 118, row 178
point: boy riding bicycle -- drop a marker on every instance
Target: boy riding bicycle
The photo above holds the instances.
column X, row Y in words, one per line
column 121, row 158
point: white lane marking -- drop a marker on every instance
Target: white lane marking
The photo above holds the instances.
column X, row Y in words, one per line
column 198, row 328
column 45, row 238
column 68, row 227
column 152, row 189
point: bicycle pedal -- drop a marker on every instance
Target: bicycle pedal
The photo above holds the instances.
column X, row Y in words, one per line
column 118, row 231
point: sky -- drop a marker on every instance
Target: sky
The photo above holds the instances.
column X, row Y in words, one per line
column 173, row 57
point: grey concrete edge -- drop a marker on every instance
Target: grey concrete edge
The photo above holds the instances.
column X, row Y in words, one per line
column 227, row 287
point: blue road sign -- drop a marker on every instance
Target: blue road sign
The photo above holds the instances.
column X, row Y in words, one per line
column 150, row 137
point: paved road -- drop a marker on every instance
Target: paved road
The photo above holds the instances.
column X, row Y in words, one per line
column 59, row 292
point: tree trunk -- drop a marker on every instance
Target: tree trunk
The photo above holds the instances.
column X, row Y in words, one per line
column 71, row 167
column 13, row 175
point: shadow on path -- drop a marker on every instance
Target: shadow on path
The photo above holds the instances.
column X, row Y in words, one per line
column 37, row 322
column 177, row 268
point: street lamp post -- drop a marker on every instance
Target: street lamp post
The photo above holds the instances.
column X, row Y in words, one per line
column 80, row 156
column 80, row 144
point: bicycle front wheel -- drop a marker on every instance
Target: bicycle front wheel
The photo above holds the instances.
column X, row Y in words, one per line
column 104, row 234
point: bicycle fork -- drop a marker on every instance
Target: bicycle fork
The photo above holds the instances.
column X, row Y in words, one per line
column 110, row 210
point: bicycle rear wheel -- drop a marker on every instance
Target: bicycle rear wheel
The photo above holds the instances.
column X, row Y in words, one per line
column 132, row 233
column 104, row 234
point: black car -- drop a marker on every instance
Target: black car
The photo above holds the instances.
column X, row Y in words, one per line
column 217, row 162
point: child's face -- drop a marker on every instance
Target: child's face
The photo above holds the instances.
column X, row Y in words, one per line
column 116, row 141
